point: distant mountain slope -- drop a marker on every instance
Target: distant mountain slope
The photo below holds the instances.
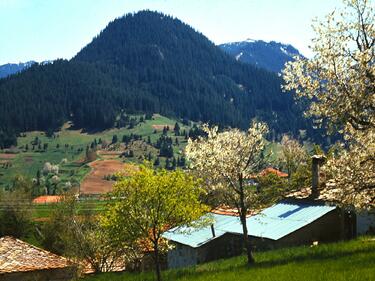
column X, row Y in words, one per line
column 146, row 62
column 269, row 55
column 11, row 68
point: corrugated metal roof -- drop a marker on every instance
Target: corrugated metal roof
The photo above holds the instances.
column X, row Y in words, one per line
column 197, row 237
column 282, row 219
column 274, row 223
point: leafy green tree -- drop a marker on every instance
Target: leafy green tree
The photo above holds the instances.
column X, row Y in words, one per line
column 15, row 209
column 150, row 202
column 78, row 234
column 269, row 187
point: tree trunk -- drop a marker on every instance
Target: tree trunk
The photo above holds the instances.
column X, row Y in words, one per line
column 157, row 262
column 243, row 212
column 246, row 240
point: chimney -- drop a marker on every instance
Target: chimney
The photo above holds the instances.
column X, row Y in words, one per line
column 213, row 230
column 317, row 161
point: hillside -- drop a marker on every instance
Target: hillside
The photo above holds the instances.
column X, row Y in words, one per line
column 137, row 139
column 344, row 261
column 268, row 55
column 151, row 63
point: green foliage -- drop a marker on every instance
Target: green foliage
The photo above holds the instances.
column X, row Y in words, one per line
column 29, row 162
column 15, row 210
column 77, row 233
column 151, row 201
column 55, row 237
column 142, row 63
column 302, row 177
column 271, row 187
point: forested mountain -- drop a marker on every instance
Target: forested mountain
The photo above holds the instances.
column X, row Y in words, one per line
column 11, row 68
column 268, row 55
column 145, row 62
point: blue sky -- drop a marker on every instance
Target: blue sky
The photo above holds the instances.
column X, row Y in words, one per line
column 49, row 29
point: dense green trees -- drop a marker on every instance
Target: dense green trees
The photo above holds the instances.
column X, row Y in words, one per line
column 146, row 62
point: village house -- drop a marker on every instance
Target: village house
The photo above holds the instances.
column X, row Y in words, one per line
column 356, row 222
column 301, row 218
column 22, row 261
column 287, row 223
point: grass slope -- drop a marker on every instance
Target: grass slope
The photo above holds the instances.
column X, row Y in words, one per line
column 71, row 145
column 353, row 260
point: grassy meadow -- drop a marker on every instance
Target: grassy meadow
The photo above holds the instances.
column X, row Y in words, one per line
column 70, row 144
column 344, row 261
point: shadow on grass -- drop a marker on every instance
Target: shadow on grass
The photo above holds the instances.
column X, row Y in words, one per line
column 320, row 256
column 360, row 255
column 279, row 259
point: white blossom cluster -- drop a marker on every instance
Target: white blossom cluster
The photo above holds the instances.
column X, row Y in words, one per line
column 226, row 158
column 339, row 81
column 352, row 172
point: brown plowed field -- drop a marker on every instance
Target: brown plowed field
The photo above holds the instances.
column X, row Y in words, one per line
column 94, row 183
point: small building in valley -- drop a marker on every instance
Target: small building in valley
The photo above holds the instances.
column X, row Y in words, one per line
column 22, row 261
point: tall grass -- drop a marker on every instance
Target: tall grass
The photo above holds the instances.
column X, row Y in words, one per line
column 353, row 260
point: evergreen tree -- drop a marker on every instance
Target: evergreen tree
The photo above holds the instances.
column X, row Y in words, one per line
column 176, row 129
column 174, row 163
column 157, row 161
column 167, row 164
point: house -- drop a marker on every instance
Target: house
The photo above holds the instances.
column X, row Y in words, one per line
column 287, row 223
column 22, row 261
column 253, row 179
column 355, row 222
column 297, row 220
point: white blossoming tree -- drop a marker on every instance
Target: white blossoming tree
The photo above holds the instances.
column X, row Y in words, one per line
column 339, row 81
column 292, row 154
column 225, row 160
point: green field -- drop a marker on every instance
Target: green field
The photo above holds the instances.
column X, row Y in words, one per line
column 353, row 260
column 71, row 144
column 43, row 211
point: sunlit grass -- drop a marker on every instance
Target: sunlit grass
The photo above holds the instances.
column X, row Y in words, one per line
column 353, row 260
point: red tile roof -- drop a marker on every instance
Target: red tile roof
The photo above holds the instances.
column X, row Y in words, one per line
column 45, row 199
column 271, row 170
column 266, row 172
column 19, row 256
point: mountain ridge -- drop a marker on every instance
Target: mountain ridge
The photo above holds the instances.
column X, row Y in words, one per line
column 146, row 62
column 12, row 68
column 270, row 55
